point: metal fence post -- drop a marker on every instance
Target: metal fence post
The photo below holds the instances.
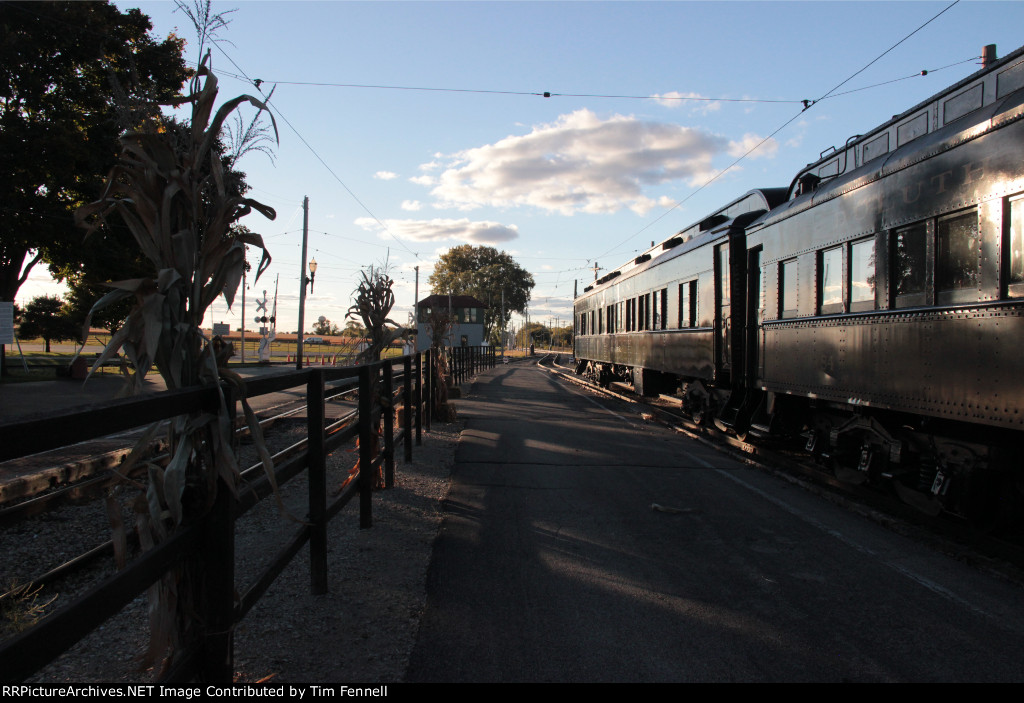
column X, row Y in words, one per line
column 367, row 386
column 216, row 578
column 407, row 404
column 388, row 418
column 317, row 482
column 431, row 361
column 216, row 562
column 419, row 398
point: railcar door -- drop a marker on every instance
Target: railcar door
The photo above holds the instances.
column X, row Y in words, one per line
column 723, row 307
column 752, row 333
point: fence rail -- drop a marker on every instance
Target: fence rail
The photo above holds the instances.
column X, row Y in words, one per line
column 207, row 542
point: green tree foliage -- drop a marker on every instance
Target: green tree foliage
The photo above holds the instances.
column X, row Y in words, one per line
column 535, row 333
column 111, row 254
column 353, row 329
column 73, row 77
column 46, row 316
column 562, row 336
column 484, row 272
column 326, row 328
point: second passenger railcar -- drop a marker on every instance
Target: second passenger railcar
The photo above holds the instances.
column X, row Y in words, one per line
column 875, row 306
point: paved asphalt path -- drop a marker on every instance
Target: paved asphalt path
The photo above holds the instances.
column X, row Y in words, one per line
column 553, row 564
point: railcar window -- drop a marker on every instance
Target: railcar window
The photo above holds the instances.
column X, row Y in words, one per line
column 661, row 321
column 688, row 304
column 910, row 265
column 620, row 317
column 723, row 270
column 830, row 279
column 789, row 288
column 862, row 275
column 684, row 305
column 957, row 264
column 1015, row 245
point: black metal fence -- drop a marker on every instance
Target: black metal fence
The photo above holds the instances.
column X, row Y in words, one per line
column 466, row 361
column 208, row 541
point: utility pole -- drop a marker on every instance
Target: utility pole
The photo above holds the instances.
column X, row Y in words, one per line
column 302, row 282
column 416, row 309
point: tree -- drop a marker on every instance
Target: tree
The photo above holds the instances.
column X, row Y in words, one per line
column 325, row 327
column 73, row 77
column 353, row 329
column 484, row 273
column 111, row 254
column 535, row 333
column 46, row 317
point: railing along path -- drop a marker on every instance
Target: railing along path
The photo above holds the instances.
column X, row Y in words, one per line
column 209, row 540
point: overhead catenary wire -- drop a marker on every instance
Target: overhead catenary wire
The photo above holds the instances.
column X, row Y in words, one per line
column 689, row 97
column 257, row 85
column 807, row 105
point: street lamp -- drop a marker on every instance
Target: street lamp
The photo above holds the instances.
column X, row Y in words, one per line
column 312, row 275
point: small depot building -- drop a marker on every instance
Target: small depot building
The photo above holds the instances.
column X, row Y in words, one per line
column 467, row 316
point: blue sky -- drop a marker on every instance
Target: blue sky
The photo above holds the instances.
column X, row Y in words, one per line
column 558, row 182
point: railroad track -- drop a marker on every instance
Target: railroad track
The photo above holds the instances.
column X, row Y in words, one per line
column 952, row 535
column 277, row 421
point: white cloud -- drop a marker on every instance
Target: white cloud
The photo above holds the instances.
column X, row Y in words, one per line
column 580, row 163
column 412, row 205
column 767, row 150
column 385, row 175
column 695, row 101
column 464, row 230
column 429, row 166
column 422, row 180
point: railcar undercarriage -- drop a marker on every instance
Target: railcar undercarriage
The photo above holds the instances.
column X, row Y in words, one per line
column 933, row 465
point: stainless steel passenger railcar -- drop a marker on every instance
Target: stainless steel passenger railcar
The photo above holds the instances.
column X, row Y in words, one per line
column 875, row 307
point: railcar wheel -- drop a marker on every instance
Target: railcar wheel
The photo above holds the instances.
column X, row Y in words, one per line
column 697, row 403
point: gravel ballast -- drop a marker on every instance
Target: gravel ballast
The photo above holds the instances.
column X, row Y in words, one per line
column 363, row 630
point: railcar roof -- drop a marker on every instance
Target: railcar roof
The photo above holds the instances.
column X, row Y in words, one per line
column 1011, row 65
column 696, row 235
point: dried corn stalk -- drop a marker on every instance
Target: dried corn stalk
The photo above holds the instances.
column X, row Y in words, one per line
column 169, row 187
column 374, row 300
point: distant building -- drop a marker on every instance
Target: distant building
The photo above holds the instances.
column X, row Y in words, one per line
column 468, row 320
